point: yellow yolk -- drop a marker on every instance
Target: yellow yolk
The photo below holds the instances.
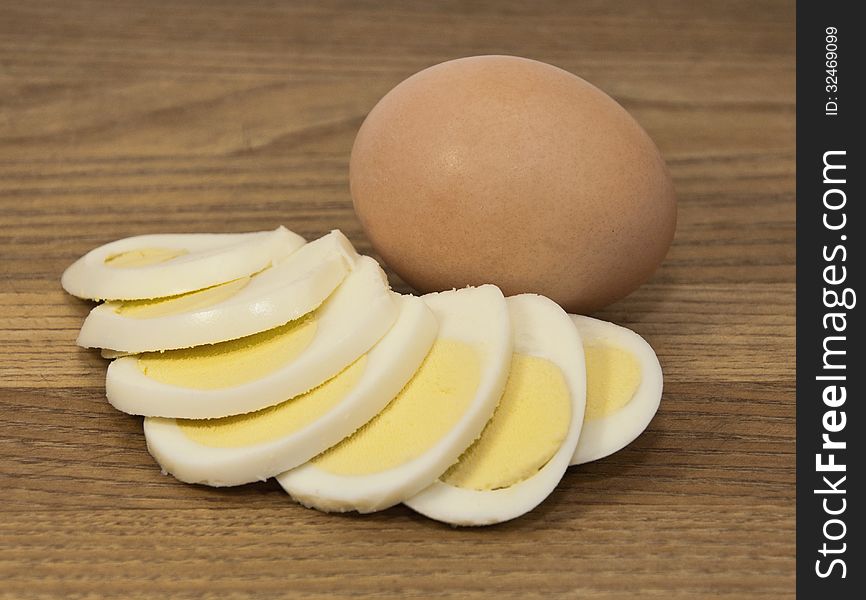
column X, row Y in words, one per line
column 425, row 410
column 612, row 377
column 172, row 305
column 231, row 363
column 143, row 257
column 526, row 430
column 276, row 421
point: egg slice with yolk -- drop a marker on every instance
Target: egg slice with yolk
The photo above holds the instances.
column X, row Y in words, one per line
column 526, row 447
column 160, row 265
column 264, row 369
column 623, row 388
column 261, row 444
column 276, row 295
column 429, row 424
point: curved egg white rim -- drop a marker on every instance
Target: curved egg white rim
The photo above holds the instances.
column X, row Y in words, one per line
column 603, row 436
column 389, row 366
column 212, row 258
column 476, row 316
column 350, row 322
column 284, row 292
column 541, row 329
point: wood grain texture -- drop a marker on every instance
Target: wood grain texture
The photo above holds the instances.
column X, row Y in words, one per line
column 126, row 117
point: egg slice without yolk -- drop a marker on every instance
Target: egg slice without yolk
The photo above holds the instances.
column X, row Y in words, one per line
column 256, row 446
column 286, row 291
column 426, row 427
column 623, row 388
column 526, row 447
column 160, row 265
column 264, row 369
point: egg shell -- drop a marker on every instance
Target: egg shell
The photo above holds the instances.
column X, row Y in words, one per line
column 505, row 170
column 541, row 328
column 603, row 436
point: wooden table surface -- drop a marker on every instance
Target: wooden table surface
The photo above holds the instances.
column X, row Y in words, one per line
column 127, row 117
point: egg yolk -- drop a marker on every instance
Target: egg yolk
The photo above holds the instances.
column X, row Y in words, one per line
column 231, row 363
column 424, row 411
column 143, row 257
column 172, row 305
column 526, row 430
column 612, row 378
column 276, row 421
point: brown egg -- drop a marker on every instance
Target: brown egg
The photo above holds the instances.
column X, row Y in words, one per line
column 505, row 170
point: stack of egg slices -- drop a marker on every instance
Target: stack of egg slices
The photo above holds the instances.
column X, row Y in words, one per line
column 259, row 355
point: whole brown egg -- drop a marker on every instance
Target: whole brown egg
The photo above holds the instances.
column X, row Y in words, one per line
column 505, row 170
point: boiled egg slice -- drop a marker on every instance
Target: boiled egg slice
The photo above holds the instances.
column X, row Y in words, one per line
column 527, row 445
column 623, row 388
column 155, row 266
column 429, row 424
column 255, row 446
column 286, row 291
column 264, row 369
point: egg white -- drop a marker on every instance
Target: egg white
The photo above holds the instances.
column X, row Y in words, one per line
column 286, row 291
column 541, row 329
column 209, row 259
column 605, row 435
column 475, row 316
column 389, row 366
column 349, row 322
